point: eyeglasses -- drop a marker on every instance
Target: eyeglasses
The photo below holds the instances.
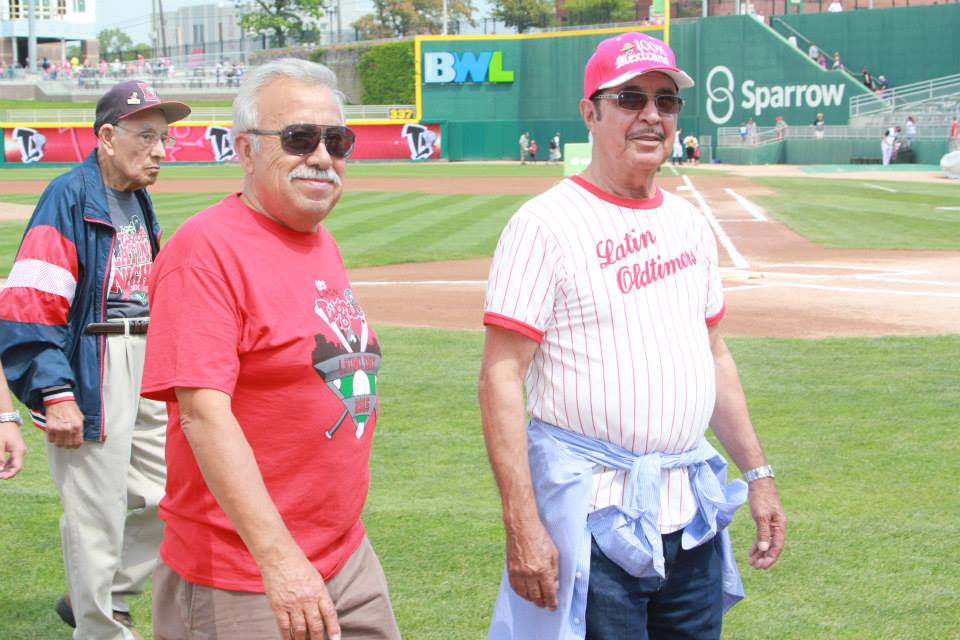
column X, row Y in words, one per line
column 637, row 101
column 303, row 139
column 150, row 138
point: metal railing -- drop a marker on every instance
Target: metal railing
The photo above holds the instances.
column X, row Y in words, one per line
column 730, row 136
column 204, row 114
column 906, row 95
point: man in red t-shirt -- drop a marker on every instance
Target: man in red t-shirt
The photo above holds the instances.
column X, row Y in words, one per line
column 269, row 370
column 954, row 129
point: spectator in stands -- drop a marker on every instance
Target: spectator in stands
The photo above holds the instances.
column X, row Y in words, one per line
column 819, row 126
column 868, row 79
column 954, row 131
column 814, row 52
column 218, row 72
column 677, row 156
column 837, row 65
column 45, row 65
column 792, row 39
column 533, row 151
column 781, row 126
column 822, row 60
column 882, row 83
column 835, row 7
column 752, row 131
column 910, row 128
column 103, row 68
column 744, row 132
column 116, row 68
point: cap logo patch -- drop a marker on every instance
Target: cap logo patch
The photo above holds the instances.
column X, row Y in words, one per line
column 148, row 94
column 642, row 51
column 133, row 98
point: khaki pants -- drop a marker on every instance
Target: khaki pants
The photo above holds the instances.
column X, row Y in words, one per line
column 110, row 491
column 186, row 611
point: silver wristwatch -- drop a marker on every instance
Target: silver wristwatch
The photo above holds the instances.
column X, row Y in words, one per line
column 765, row 471
column 11, row 416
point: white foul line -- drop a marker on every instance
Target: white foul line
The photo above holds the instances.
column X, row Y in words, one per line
column 876, row 186
column 738, row 260
column 394, row 283
column 750, row 208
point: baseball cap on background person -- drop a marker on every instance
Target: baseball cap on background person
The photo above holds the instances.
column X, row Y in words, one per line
column 133, row 96
column 627, row 56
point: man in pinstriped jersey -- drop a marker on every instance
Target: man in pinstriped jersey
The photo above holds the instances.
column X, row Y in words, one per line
column 604, row 302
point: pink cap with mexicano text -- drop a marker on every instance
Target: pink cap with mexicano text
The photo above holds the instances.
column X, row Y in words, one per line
column 627, row 56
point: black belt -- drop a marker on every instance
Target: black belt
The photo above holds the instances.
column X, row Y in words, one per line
column 136, row 327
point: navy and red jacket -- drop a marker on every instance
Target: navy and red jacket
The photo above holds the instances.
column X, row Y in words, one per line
column 57, row 286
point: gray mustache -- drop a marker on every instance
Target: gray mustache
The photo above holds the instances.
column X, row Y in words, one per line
column 647, row 132
column 310, row 173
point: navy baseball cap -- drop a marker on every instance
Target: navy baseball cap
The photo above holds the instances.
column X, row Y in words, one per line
column 133, row 96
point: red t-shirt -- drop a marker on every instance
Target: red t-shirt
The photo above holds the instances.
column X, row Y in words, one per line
column 241, row 304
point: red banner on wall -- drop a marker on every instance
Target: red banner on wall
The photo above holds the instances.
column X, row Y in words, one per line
column 212, row 143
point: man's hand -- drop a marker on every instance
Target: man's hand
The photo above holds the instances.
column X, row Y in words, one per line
column 12, row 448
column 533, row 564
column 65, row 425
column 299, row 599
column 771, row 523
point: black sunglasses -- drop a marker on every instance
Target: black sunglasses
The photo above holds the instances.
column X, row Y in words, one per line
column 303, row 139
column 637, row 101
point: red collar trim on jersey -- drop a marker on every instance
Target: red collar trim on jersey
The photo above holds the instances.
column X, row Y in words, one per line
column 630, row 203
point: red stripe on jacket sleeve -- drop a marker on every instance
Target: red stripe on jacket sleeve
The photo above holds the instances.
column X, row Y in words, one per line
column 491, row 319
column 47, row 244
column 20, row 304
column 717, row 317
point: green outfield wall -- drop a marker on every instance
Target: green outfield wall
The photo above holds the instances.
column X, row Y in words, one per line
column 906, row 45
column 486, row 91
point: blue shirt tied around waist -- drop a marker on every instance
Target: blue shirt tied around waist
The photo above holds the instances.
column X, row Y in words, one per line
column 561, row 464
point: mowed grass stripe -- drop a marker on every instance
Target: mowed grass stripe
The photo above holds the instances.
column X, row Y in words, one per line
column 377, row 217
column 846, row 214
column 475, row 230
column 439, row 231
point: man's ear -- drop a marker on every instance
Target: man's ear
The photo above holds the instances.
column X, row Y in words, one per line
column 590, row 112
column 243, row 145
column 106, row 137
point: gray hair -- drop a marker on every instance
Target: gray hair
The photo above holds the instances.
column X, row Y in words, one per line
column 245, row 104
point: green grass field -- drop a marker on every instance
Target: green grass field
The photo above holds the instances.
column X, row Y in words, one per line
column 847, row 214
column 862, row 433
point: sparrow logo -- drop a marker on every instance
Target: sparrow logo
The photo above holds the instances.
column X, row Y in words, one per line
column 221, row 143
column 420, row 140
column 720, row 92
column 31, row 144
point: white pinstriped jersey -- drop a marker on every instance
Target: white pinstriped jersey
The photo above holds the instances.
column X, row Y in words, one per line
column 619, row 294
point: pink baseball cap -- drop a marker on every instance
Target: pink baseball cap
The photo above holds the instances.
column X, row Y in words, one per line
column 627, row 56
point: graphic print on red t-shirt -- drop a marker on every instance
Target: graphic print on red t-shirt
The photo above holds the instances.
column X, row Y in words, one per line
column 348, row 364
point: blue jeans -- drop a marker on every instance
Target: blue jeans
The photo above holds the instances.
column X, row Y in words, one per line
column 686, row 605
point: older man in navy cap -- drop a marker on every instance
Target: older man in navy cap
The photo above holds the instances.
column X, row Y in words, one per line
column 73, row 320
column 604, row 300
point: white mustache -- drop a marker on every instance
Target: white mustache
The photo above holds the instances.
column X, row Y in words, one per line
column 312, row 173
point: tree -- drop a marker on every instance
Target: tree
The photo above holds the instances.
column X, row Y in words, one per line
column 113, row 43
column 400, row 18
column 280, row 18
column 524, row 14
column 599, row 11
